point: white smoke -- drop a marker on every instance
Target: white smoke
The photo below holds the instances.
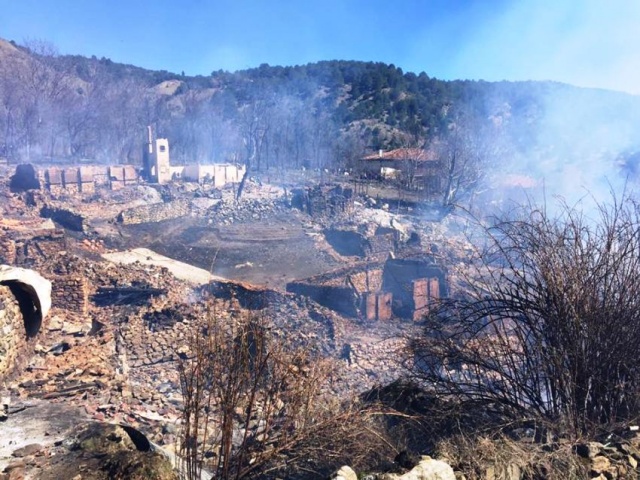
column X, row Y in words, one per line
column 577, row 143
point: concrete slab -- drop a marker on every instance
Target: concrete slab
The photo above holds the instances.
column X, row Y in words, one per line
column 183, row 271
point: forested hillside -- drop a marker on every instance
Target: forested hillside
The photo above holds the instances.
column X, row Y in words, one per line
column 321, row 115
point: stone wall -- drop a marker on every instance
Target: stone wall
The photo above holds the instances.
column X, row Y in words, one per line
column 415, row 284
column 156, row 212
column 405, row 287
column 85, row 179
column 13, row 338
column 342, row 290
column 323, row 201
column 70, row 293
column 7, row 250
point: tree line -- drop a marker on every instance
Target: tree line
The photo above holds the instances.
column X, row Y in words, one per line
column 324, row 115
column 313, row 115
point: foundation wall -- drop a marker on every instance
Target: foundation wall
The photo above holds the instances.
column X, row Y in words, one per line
column 156, row 212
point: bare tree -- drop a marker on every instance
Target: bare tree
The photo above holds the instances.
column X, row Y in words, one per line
column 48, row 94
column 547, row 326
column 13, row 117
column 254, row 125
column 468, row 152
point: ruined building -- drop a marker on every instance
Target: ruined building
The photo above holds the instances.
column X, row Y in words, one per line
column 73, row 179
column 157, row 167
column 403, row 288
column 323, row 200
column 30, row 247
column 156, row 164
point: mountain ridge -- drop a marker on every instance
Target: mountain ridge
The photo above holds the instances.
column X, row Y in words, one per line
column 318, row 115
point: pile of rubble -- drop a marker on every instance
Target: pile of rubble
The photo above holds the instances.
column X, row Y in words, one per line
column 617, row 458
column 246, row 210
column 117, row 332
column 58, row 441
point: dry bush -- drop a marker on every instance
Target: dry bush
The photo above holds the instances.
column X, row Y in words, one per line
column 256, row 406
column 477, row 456
column 548, row 327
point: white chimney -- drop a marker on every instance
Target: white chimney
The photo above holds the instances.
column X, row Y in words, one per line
column 150, row 139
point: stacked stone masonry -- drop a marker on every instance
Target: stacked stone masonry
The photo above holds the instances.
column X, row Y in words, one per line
column 70, row 293
column 13, row 339
column 86, row 179
column 7, row 250
column 156, row 212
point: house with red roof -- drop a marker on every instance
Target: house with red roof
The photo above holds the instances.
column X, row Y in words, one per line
column 416, row 167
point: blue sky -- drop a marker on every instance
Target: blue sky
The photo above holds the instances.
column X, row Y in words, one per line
column 583, row 42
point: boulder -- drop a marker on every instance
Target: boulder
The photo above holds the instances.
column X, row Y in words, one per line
column 588, row 450
column 345, row 473
column 427, row 469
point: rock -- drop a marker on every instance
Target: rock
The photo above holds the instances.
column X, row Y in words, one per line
column 588, row 450
column 345, row 473
column 5, row 403
column 406, row 460
column 27, row 450
column 600, row 464
column 15, row 471
column 427, row 469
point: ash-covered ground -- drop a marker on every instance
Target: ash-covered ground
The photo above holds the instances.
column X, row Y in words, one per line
column 271, row 251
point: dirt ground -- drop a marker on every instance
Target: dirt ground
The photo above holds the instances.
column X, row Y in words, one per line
column 269, row 252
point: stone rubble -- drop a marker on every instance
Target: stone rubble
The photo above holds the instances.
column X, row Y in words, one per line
column 118, row 360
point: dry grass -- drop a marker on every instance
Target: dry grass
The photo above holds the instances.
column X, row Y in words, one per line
column 499, row 457
column 256, row 406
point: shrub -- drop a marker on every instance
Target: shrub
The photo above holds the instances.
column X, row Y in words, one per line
column 548, row 324
column 256, row 405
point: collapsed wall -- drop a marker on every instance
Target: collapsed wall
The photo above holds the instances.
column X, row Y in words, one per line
column 32, row 247
column 326, row 201
column 156, row 212
column 343, row 290
column 415, row 284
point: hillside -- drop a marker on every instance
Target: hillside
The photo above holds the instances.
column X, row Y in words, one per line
column 321, row 115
